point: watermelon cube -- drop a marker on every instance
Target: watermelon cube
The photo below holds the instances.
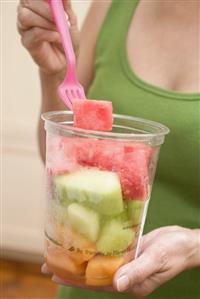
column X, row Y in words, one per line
column 93, row 115
column 130, row 160
column 134, row 174
column 85, row 151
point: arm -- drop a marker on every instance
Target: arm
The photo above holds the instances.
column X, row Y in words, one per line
column 40, row 38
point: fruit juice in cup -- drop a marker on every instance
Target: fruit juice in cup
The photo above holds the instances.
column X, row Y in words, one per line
column 99, row 186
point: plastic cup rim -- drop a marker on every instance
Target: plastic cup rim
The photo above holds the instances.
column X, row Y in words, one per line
column 162, row 130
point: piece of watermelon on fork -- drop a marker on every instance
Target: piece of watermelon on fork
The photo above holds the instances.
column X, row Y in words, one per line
column 93, row 115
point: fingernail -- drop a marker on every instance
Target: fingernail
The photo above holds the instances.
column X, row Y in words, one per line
column 122, row 283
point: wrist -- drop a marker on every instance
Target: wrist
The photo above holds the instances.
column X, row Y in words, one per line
column 194, row 255
column 49, row 89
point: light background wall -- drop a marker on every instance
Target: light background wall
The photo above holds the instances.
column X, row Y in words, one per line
column 23, row 181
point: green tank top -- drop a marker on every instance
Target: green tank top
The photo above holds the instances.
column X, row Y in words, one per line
column 175, row 197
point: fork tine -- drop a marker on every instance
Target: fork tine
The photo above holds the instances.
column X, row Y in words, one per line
column 73, row 93
column 82, row 93
column 68, row 98
column 79, row 93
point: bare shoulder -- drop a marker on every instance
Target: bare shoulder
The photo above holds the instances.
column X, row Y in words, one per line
column 89, row 35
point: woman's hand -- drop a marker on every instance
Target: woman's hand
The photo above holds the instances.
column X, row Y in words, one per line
column 165, row 252
column 39, row 35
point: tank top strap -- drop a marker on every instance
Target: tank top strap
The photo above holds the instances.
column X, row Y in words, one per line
column 114, row 29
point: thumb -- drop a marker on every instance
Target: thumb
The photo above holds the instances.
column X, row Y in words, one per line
column 135, row 272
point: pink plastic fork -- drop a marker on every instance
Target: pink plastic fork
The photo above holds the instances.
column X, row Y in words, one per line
column 70, row 88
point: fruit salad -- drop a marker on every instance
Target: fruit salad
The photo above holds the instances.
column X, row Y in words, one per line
column 98, row 189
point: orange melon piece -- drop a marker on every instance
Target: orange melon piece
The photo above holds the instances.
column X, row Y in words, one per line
column 79, row 257
column 79, row 248
column 101, row 269
column 62, row 265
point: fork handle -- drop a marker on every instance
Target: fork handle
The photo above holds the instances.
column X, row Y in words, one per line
column 62, row 26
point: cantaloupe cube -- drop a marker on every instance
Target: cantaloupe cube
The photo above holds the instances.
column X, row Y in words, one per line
column 101, row 269
column 62, row 265
column 78, row 247
column 84, row 220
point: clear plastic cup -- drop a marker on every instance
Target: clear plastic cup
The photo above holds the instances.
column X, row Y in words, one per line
column 98, row 189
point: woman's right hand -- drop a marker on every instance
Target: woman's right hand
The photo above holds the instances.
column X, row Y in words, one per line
column 40, row 37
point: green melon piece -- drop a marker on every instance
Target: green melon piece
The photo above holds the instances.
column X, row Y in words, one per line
column 84, row 220
column 135, row 210
column 58, row 211
column 60, row 189
column 101, row 190
column 114, row 238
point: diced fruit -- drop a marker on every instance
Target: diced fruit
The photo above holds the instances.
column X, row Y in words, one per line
column 130, row 160
column 101, row 269
column 79, row 257
column 135, row 209
column 134, row 177
column 93, row 115
column 93, row 281
column 78, row 247
column 107, row 153
column 114, row 238
column 59, row 189
column 84, row 220
column 99, row 189
column 85, row 150
column 61, row 264
column 123, row 217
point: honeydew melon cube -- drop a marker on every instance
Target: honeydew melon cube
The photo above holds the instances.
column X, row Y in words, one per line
column 135, row 211
column 101, row 190
column 84, row 220
column 114, row 238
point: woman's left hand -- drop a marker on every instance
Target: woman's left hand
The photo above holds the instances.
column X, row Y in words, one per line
column 165, row 252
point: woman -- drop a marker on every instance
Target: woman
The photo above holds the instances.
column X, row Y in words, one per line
column 143, row 55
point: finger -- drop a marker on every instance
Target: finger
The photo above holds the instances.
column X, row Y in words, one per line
column 35, row 36
column 150, row 284
column 28, row 19
column 45, row 269
column 136, row 271
column 147, row 287
column 70, row 13
column 39, row 7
